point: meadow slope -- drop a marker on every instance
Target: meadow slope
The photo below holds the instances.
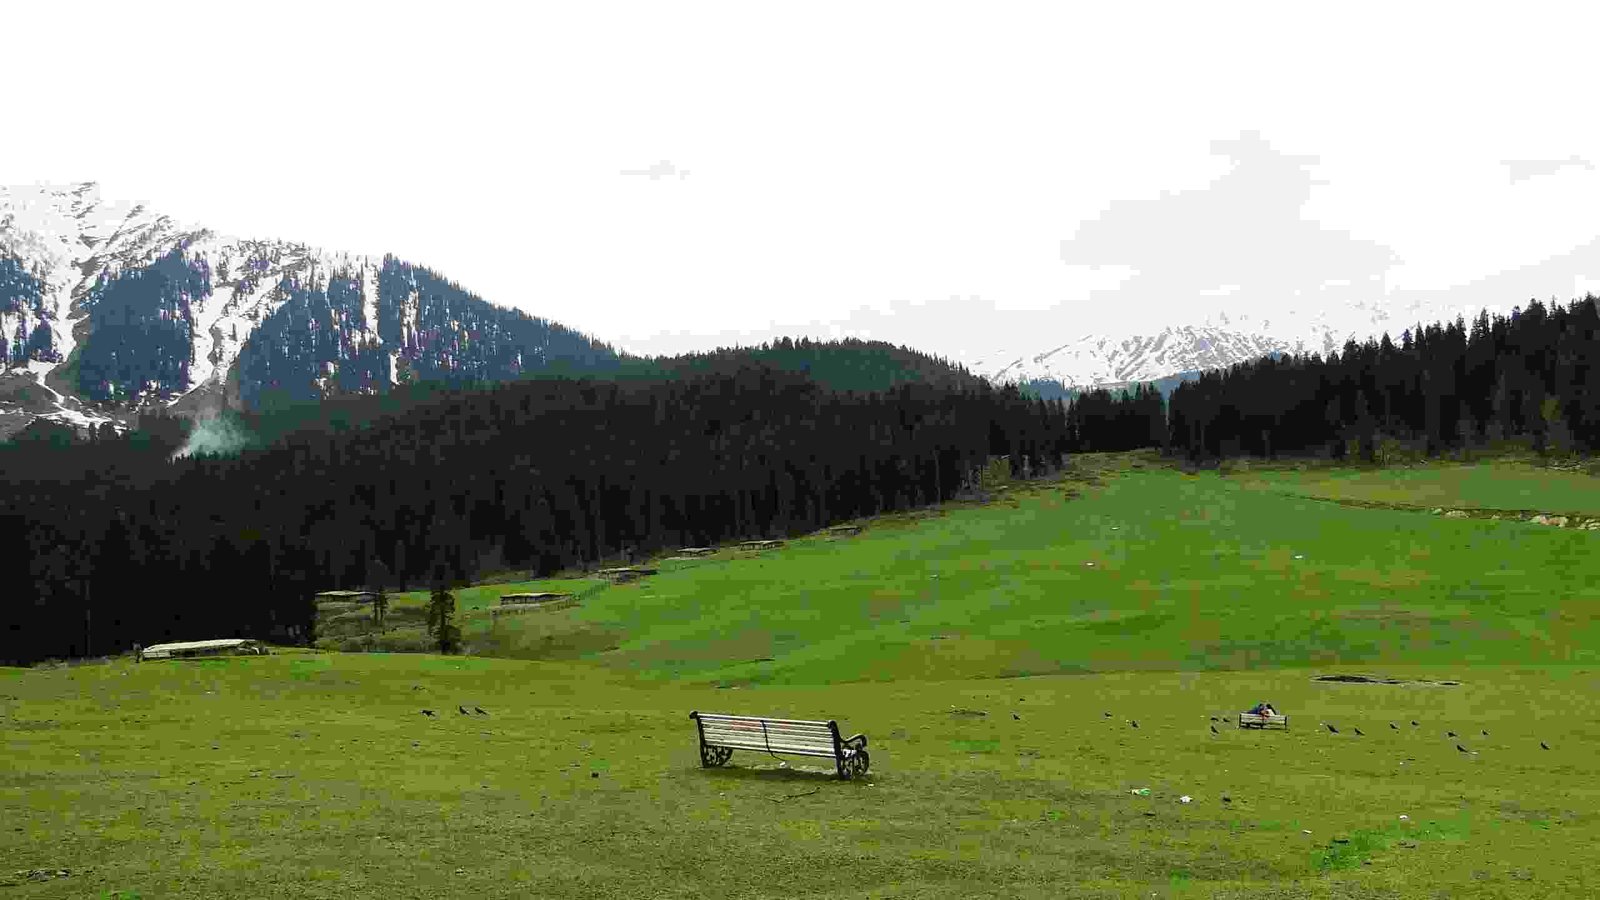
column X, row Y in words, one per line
column 996, row 655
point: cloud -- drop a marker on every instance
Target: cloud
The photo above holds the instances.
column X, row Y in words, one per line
column 1524, row 169
column 1242, row 242
column 660, row 170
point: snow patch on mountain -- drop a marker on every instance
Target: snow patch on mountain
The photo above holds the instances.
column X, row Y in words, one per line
column 70, row 239
column 1216, row 341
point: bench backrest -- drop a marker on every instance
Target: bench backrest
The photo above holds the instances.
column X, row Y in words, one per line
column 1248, row 718
column 810, row 738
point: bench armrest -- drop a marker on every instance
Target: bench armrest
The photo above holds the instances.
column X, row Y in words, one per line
column 858, row 741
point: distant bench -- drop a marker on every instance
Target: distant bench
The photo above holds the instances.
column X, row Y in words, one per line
column 720, row 735
column 1262, row 720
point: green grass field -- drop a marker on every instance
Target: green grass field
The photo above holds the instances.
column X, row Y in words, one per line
column 314, row 774
column 1509, row 486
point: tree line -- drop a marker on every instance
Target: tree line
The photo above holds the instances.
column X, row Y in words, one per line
column 1532, row 376
column 121, row 543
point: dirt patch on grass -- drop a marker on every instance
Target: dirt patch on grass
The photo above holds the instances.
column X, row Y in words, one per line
column 1373, row 679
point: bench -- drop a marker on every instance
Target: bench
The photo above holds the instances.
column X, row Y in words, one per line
column 720, row 735
column 1262, row 720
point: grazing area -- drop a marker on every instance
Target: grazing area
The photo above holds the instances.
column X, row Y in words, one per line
column 318, row 775
column 1145, row 569
column 1505, row 485
column 1049, row 680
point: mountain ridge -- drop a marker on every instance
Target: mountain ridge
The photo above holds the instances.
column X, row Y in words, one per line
column 114, row 310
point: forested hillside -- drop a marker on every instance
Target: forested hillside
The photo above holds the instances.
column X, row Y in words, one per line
column 124, row 544
column 845, row 365
column 1531, row 376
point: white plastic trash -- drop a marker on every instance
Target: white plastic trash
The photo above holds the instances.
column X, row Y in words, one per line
column 1185, row 798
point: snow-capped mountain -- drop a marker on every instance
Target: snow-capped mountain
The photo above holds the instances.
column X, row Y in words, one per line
column 107, row 309
column 1098, row 360
column 1218, row 341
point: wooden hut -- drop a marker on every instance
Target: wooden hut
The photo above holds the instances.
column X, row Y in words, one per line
column 625, row 573
column 537, row 597
column 191, row 649
column 348, row 596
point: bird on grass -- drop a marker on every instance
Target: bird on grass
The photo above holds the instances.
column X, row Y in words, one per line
column 1462, row 749
column 1413, row 723
column 428, row 712
column 1107, row 715
column 1133, row 722
column 1394, row 726
column 1330, row 728
column 1016, row 717
column 479, row 710
column 1213, row 718
column 1359, row 734
column 1214, row 730
column 1485, row 732
column 1544, row 745
column 1450, row 734
column 463, row 710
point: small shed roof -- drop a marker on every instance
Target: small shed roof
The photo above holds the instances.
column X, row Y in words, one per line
column 532, row 598
column 219, row 644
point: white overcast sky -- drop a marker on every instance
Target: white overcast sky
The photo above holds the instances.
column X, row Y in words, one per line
column 961, row 178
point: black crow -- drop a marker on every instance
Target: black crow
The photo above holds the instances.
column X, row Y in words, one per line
column 1450, row 734
column 479, row 710
column 1107, row 715
column 1330, row 728
column 463, row 710
column 1486, row 732
column 1359, row 734
column 1394, row 726
column 1133, row 722
column 1462, row 749
column 427, row 712
column 1214, row 730
column 1544, row 745
column 1016, row 717
column 1413, row 722
column 1213, row 718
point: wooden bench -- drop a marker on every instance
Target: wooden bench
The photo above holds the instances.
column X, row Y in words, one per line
column 720, row 735
column 1262, row 720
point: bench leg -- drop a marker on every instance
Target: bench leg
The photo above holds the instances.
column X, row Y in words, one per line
column 852, row 766
column 711, row 757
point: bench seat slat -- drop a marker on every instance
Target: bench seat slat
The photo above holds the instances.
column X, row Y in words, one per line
column 786, row 732
column 780, row 750
column 770, row 729
column 708, row 717
column 716, row 736
column 757, row 744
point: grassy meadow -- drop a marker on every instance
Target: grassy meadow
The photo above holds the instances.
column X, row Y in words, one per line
column 980, row 648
